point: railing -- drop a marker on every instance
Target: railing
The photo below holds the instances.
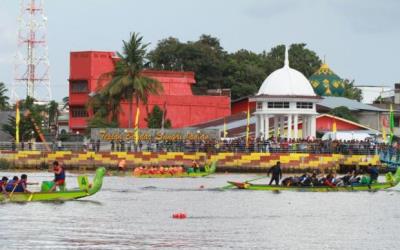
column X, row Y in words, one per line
column 214, row 147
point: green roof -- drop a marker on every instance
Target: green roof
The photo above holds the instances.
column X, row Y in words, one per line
column 326, row 83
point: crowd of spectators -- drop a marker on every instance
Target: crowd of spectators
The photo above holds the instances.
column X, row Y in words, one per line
column 272, row 145
column 237, row 145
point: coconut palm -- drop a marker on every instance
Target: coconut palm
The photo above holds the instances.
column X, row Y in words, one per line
column 126, row 80
column 53, row 112
column 3, row 97
column 65, row 101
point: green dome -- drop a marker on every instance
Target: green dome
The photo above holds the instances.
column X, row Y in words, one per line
column 327, row 83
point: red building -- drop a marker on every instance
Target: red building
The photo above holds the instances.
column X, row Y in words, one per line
column 183, row 108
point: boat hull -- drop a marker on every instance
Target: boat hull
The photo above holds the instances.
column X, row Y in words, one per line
column 212, row 170
column 46, row 196
column 72, row 194
column 373, row 187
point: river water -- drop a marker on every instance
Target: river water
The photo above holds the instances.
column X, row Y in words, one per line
column 132, row 213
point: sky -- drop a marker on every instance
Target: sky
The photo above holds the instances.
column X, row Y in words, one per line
column 359, row 38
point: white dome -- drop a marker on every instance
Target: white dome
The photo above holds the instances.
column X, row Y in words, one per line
column 286, row 81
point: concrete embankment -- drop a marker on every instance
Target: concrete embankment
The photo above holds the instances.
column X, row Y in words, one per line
column 227, row 161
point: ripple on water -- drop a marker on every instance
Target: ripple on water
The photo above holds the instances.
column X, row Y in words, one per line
column 133, row 213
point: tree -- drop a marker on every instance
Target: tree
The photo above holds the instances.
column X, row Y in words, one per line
column 29, row 111
column 300, row 58
column 352, row 92
column 343, row 112
column 244, row 73
column 126, row 81
column 3, row 97
column 53, row 113
column 155, row 117
column 205, row 56
column 65, row 101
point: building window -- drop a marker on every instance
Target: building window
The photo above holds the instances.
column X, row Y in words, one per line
column 304, row 105
column 79, row 112
column 259, row 105
column 278, row 105
column 79, row 86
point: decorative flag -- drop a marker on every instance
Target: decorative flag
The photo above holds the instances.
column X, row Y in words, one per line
column 391, row 123
column 164, row 116
column 225, row 132
column 384, row 134
column 334, row 126
column 17, row 120
column 248, row 125
column 137, row 125
column 384, row 126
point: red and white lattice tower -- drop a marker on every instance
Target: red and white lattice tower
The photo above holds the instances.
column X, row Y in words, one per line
column 32, row 63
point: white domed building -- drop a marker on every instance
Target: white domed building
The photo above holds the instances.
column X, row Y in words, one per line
column 286, row 97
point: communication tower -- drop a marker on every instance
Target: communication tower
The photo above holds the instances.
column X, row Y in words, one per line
column 31, row 61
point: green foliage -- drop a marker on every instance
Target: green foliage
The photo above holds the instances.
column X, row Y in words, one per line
column 205, row 57
column 300, row 58
column 155, row 117
column 29, row 111
column 242, row 71
column 343, row 112
column 53, row 113
column 3, row 97
column 65, row 101
column 352, row 92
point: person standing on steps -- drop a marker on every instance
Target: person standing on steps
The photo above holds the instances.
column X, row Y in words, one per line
column 276, row 173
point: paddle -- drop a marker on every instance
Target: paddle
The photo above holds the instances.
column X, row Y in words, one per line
column 12, row 192
column 231, row 185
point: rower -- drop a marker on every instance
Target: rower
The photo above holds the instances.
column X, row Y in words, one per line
column 3, row 184
column 11, row 184
column 195, row 166
column 121, row 165
column 21, row 186
column 59, row 176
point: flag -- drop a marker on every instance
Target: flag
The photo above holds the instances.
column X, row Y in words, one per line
column 334, row 126
column 225, row 132
column 137, row 125
column 391, row 116
column 248, row 125
column 17, row 120
column 164, row 115
column 384, row 134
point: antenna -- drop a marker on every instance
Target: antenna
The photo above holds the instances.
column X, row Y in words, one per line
column 32, row 65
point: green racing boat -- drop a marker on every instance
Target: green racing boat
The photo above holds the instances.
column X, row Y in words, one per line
column 85, row 189
column 391, row 181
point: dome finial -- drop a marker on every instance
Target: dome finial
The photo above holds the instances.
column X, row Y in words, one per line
column 286, row 56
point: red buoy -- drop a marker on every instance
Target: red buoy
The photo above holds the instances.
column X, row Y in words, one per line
column 179, row 216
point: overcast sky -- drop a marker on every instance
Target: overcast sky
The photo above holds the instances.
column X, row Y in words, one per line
column 360, row 38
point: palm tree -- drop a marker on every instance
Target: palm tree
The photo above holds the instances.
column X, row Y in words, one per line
column 3, row 97
column 65, row 101
column 53, row 113
column 126, row 79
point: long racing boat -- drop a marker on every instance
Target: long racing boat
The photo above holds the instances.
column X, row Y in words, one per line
column 391, row 181
column 207, row 171
column 85, row 189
